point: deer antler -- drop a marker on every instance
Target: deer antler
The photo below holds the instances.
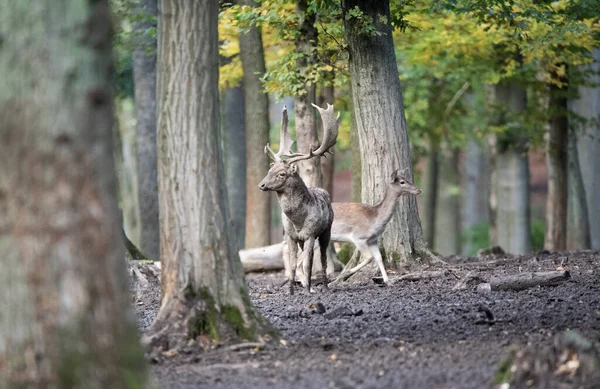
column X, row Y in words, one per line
column 285, row 140
column 330, row 133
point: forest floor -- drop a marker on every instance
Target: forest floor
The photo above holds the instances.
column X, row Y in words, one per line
column 412, row 334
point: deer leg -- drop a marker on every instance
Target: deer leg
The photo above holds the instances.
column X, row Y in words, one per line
column 293, row 256
column 367, row 255
column 323, row 245
column 309, row 251
column 377, row 254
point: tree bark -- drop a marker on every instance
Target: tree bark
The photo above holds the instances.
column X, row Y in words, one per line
column 578, row 225
column 234, row 145
column 377, row 99
column 203, row 287
column 65, row 319
column 513, row 220
column 258, row 218
column 356, row 179
column 144, row 73
column 557, row 140
column 588, row 146
column 327, row 164
column 447, row 221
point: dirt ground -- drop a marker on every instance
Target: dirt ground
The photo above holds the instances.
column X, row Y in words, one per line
column 412, row 334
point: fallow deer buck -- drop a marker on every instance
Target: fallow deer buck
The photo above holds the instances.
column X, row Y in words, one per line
column 307, row 212
column 362, row 224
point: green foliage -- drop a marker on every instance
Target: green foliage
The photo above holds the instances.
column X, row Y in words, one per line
column 486, row 42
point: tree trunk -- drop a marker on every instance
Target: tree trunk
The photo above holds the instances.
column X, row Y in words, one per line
column 125, row 164
column 447, row 221
column 305, row 117
column 475, row 193
column 513, row 220
column 234, row 144
column 356, row 179
column 258, row 206
column 430, row 189
column 327, row 164
column 202, row 281
column 588, row 146
column 492, row 142
column 306, row 121
column 578, row 225
column 377, row 99
column 65, row 319
column 557, row 140
column 144, row 72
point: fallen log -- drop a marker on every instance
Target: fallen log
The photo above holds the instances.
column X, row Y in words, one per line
column 270, row 258
column 523, row 281
column 266, row 258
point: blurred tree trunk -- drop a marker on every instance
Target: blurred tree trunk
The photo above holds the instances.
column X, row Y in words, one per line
column 125, row 164
column 430, row 190
column 233, row 132
column 144, row 72
column 202, row 281
column 588, row 146
column 65, row 320
column 492, row 190
column 258, row 206
column 578, row 225
column 327, row 164
column 447, row 220
column 557, row 143
column 234, row 145
column 379, row 109
column 475, row 193
column 513, row 220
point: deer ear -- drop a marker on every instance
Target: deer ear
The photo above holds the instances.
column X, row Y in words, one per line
column 395, row 176
column 293, row 168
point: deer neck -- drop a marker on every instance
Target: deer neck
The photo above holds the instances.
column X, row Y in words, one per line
column 385, row 209
column 294, row 198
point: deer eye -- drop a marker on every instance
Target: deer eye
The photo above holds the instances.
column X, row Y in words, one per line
column 281, row 175
column 402, row 182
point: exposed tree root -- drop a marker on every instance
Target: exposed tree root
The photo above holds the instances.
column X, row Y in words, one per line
column 192, row 322
column 427, row 257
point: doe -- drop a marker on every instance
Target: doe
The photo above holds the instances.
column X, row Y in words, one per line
column 362, row 224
